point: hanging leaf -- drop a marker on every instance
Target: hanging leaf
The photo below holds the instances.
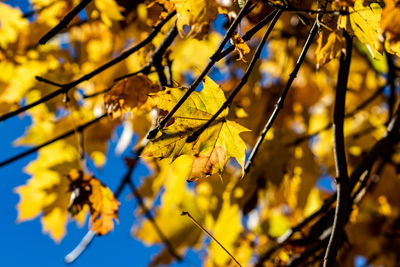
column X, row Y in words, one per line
column 128, row 94
column 214, row 147
column 103, row 206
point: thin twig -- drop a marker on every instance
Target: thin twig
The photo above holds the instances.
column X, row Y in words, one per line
column 156, row 59
column 243, row 81
column 97, row 93
column 213, row 59
column 44, row 80
column 64, row 22
column 279, row 104
column 62, row 136
column 342, row 179
column 65, row 88
column 209, row 234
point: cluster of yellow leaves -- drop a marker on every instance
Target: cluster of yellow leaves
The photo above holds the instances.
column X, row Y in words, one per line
column 280, row 188
column 214, row 147
column 103, row 206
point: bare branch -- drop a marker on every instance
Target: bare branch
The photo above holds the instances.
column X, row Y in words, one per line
column 342, row 179
column 64, row 135
column 249, row 34
column 279, row 104
column 156, row 59
column 392, row 86
column 64, row 22
column 243, row 81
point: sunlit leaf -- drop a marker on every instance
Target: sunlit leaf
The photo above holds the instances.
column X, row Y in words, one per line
column 214, row 147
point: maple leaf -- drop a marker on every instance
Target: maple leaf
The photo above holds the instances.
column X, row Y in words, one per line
column 128, row 94
column 390, row 25
column 329, row 46
column 364, row 22
column 195, row 16
column 46, row 192
column 214, row 147
column 87, row 190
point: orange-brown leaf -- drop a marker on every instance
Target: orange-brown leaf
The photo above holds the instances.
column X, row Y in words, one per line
column 128, row 94
column 87, row 190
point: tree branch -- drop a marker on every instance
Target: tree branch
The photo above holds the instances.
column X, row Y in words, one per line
column 64, row 135
column 342, row 180
column 392, row 86
column 279, row 104
column 213, row 59
column 243, row 81
column 64, row 22
column 156, row 59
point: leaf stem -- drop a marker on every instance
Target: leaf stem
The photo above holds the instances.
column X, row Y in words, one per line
column 64, row 135
column 209, row 234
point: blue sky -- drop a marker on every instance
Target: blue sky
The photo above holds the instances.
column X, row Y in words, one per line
column 24, row 244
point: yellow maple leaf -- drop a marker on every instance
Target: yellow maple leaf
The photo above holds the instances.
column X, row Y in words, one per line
column 128, row 94
column 330, row 43
column 390, row 25
column 214, row 147
column 195, row 16
column 364, row 22
column 46, row 192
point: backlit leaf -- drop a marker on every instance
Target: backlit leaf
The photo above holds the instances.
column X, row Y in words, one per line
column 214, row 147
column 103, row 206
